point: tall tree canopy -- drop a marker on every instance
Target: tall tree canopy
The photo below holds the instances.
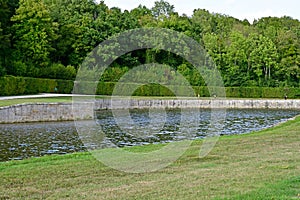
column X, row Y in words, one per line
column 34, row 31
column 46, row 38
column 162, row 8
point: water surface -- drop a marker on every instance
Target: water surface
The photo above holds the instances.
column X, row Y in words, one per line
column 19, row 141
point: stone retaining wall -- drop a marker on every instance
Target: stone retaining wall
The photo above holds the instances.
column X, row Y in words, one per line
column 196, row 103
column 39, row 112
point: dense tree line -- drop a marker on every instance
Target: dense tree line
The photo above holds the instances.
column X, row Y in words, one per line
column 51, row 38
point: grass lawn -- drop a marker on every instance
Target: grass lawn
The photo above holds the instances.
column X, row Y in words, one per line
column 35, row 100
column 68, row 99
column 261, row 165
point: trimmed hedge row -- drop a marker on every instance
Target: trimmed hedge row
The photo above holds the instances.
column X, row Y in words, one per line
column 262, row 92
column 10, row 85
column 234, row 92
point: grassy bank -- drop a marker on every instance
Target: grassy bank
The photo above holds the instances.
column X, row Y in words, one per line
column 67, row 99
column 262, row 165
column 35, row 100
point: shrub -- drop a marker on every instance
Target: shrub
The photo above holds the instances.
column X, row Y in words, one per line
column 58, row 71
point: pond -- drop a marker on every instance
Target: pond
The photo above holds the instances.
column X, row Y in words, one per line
column 19, row 141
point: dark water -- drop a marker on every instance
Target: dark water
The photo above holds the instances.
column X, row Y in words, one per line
column 19, row 141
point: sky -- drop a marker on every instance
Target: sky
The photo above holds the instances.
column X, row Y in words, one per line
column 241, row 9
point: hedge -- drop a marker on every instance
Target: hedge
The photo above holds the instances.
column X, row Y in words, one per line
column 262, row 92
column 105, row 88
column 10, row 85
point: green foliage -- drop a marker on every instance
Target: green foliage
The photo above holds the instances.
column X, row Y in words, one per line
column 201, row 91
column 64, row 86
column 10, row 85
column 59, row 71
column 141, row 13
column 105, row 88
column 113, row 74
column 262, row 92
column 34, row 31
column 162, row 9
column 263, row 59
column 7, row 10
column 2, row 70
column 4, row 41
column 18, row 68
column 153, row 90
column 50, row 39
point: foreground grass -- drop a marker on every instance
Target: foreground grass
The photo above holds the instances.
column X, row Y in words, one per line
column 262, row 165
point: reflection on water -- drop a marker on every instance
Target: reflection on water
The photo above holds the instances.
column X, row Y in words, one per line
column 19, row 141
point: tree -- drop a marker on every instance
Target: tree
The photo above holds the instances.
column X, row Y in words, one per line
column 141, row 12
column 7, row 10
column 162, row 8
column 3, row 40
column 215, row 45
column 264, row 60
column 44, row 36
column 289, row 57
column 77, row 35
column 236, row 60
column 34, row 32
